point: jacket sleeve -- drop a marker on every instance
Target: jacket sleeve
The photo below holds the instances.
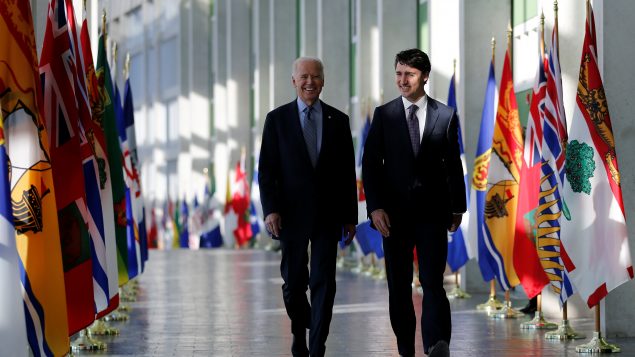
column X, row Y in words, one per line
column 373, row 165
column 348, row 170
column 269, row 168
column 454, row 165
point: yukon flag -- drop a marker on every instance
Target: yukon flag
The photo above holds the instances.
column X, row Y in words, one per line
column 138, row 207
column 479, row 242
column 526, row 261
column 95, row 131
column 12, row 327
column 57, row 75
column 594, row 235
column 503, row 178
column 458, row 254
column 32, row 192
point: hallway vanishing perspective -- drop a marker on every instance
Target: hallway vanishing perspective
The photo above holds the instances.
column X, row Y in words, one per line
column 228, row 303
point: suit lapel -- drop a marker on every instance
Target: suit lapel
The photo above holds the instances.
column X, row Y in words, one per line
column 432, row 114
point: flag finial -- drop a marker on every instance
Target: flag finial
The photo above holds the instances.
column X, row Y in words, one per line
column 454, row 66
column 126, row 66
column 84, row 3
column 103, row 24
column 493, row 48
column 509, row 36
column 542, row 34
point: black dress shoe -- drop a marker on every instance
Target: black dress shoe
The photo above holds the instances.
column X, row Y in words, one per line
column 440, row 349
column 531, row 307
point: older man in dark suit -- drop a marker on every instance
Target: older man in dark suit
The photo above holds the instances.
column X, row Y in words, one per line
column 308, row 193
column 413, row 180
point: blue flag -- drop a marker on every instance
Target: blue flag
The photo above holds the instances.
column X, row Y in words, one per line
column 457, row 249
column 478, row 240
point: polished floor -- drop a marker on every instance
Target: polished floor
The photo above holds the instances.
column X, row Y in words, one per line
column 229, row 303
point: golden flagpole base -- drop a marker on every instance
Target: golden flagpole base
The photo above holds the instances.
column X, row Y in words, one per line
column 538, row 323
column 117, row 316
column 360, row 268
column 457, row 293
column 507, row 312
column 491, row 304
column 340, row 262
column 597, row 345
column 379, row 274
column 102, row 328
column 124, row 308
column 86, row 343
column 564, row 332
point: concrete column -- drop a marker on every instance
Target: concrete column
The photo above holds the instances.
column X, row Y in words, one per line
column 283, row 50
column 221, row 123
column 335, row 44
column 261, row 64
column 476, row 55
column 310, row 15
column 444, row 46
column 369, row 55
column 618, row 30
column 398, row 21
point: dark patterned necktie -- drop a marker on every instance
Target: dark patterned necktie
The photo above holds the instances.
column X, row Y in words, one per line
column 310, row 135
column 413, row 128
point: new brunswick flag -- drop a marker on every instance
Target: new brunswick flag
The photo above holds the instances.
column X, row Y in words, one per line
column 594, row 237
column 31, row 180
column 503, row 181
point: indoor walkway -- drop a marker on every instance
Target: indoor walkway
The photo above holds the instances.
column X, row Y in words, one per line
column 228, row 303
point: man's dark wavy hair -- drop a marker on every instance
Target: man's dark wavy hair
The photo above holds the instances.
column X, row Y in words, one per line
column 415, row 58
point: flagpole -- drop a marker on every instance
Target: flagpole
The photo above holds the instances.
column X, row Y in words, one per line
column 539, row 322
column 507, row 311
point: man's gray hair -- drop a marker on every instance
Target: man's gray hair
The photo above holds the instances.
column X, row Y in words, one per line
column 308, row 59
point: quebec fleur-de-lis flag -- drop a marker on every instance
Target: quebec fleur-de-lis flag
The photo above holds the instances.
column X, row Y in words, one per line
column 596, row 252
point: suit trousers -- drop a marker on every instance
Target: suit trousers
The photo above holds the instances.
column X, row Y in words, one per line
column 432, row 249
column 321, row 282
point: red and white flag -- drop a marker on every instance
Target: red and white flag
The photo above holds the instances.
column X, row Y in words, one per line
column 594, row 237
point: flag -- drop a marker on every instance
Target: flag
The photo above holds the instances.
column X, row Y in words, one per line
column 255, row 208
column 212, row 238
column 12, row 326
column 594, row 237
column 32, row 192
column 93, row 214
column 57, row 75
column 361, row 196
column 106, row 115
column 153, row 231
column 132, row 231
column 138, row 207
column 503, row 178
column 184, row 233
column 479, row 242
column 457, row 248
column 526, row 262
column 240, row 204
column 554, row 128
column 96, row 139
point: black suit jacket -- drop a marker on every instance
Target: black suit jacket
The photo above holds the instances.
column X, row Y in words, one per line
column 307, row 198
column 427, row 187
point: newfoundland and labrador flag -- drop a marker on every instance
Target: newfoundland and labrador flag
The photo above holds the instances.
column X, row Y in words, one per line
column 596, row 252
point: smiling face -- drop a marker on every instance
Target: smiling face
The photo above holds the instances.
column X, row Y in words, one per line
column 410, row 81
column 308, row 80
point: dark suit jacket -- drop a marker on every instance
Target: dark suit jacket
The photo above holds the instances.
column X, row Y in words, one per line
column 427, row 187
column 307, row 198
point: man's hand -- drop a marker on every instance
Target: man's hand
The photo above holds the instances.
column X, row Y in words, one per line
column 349, row 232
column 273, row 222
column 456, row 222
column 381, row 222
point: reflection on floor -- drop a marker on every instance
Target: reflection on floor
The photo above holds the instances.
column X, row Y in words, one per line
column 228, row 303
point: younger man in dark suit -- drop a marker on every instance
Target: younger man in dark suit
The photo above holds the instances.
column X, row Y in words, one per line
column 308, row 193
column 413, row 180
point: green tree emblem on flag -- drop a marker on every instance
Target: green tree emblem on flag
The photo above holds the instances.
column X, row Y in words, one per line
column 580, row 166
